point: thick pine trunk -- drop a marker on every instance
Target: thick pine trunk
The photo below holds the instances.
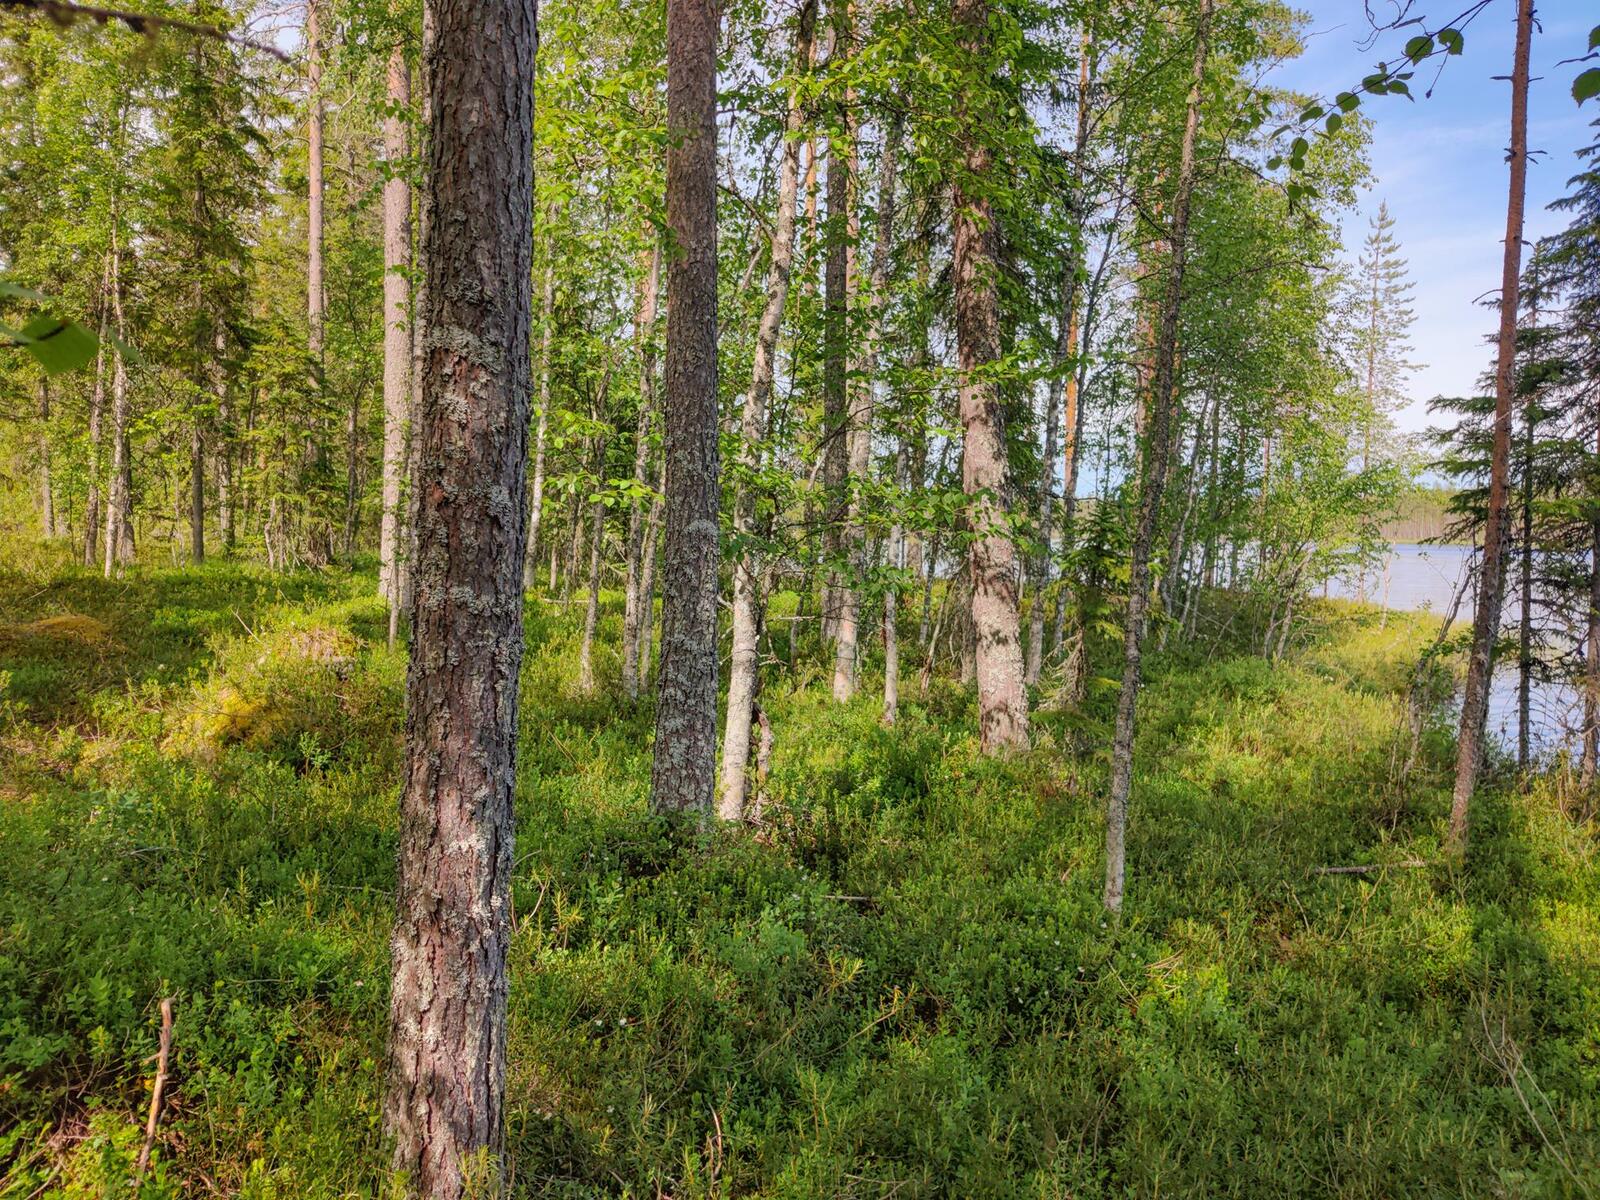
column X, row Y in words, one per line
column 992, row 557
column 633, row 608
column 444, row 1110
column 1152, row 482
column 1491, row 583
column 684, row 776
column 743, row 673
column 396, row 326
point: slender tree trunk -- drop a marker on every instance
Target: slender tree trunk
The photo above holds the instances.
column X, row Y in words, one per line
column 1066, row 331
column 223, row 434
column 1590, row 761
column 684, row 776
column 1152, row 482
column 47, row 490
column 396, row 325
column 119, row 508
column 991, row 563
column 444, row 1111
column 97, row 404
column 1525, row 625
column 647, row 585
column 541, row 432
column 743, row 670
column 318, row 534
column 891, row 595
column 411, row 499
column 634, row 605
column 1591, row 679
column 591, row 615
column 1486, row 617
column 837, row 285
column 197, row 491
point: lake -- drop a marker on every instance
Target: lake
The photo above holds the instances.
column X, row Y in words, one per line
column 1424, row 579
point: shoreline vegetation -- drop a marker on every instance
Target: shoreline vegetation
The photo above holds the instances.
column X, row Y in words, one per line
column 899, row 979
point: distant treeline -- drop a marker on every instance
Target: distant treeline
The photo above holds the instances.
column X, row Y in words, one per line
column 1421, row 515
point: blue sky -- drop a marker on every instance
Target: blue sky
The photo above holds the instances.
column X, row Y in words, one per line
column 1440, row 161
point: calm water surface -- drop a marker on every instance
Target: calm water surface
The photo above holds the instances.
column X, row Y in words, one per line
column 1424, row 579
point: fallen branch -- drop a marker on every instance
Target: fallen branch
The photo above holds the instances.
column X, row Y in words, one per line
column 1407, row 864
column 156, row 1093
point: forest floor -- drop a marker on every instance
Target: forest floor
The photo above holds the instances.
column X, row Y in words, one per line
column 901, row 984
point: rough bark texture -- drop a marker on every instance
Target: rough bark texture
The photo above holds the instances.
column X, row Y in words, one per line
column 223, row 434
column 634, row 608
column 447, row 1045
column 541, row 432
column 992, row 557
column 747, row 587
column 396, row 329
column 684, row 776
column 1491, row 584
column 1152, row 482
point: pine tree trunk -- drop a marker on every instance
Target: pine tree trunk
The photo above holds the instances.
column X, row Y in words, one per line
column 444, row 1111
column 1152, row 482
column 1486, row 616
column 396, row 325
column 633, row 605
column 683, row 779
column 743, row 672
column 541, row 432
column 991, row 562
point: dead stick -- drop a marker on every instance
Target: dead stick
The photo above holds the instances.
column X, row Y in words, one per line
column 156, row 1093
column 1369, row 868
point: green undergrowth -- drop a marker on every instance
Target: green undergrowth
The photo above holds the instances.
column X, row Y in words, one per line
column 901, row 983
